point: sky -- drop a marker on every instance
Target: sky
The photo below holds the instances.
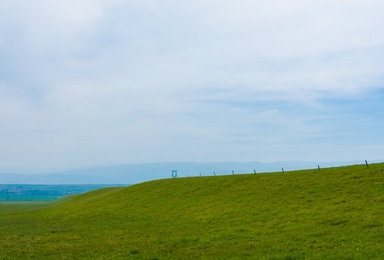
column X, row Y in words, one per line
column 97, row 82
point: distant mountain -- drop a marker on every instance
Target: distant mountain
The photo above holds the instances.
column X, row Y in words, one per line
column 135, row 173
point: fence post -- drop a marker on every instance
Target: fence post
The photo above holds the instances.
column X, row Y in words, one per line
column 233, row 173
column 200, row 174
column 214, row 173
column 366, row 163
column 318, row 167
column 282, row 169
column 254, row 171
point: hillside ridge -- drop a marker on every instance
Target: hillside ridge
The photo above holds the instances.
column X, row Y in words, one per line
column 334, row 213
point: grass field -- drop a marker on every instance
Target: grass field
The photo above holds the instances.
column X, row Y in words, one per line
column 335, row 213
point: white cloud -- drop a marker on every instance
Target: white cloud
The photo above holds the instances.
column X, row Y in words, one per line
column 128, row 77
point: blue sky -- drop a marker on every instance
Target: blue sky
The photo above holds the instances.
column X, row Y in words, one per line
column 105, row 82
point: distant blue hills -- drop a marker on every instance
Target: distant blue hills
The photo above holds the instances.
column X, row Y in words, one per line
column 135, row 173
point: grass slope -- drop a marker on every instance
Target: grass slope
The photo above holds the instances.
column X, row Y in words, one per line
column 335, row 213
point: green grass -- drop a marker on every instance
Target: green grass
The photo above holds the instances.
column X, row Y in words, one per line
column 335, row 213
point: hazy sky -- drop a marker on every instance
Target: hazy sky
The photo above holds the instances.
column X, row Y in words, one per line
column 99, row 82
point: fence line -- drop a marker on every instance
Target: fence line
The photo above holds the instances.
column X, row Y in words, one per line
column 282, row 170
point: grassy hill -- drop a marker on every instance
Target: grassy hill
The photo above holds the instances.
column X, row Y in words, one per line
column 335, row 213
